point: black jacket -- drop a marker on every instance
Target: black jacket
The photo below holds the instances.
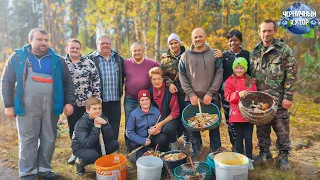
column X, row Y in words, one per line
column 227, row 60
column 86, row 134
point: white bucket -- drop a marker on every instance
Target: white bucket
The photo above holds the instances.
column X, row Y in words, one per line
column 149, row 168
column 231, row 166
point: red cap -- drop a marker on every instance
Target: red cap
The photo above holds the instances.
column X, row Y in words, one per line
column 143, row 93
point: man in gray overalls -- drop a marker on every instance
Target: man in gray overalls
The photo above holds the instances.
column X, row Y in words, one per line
column 36, row 88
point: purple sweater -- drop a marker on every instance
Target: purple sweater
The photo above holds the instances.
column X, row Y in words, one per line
column 137, row 75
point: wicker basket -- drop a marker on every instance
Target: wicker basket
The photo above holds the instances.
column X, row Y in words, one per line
column 191, row 111
column 258, row 118
column 185, row 171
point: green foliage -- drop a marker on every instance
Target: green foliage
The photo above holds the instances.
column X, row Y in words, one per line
column 127, row 21
column 309, row 73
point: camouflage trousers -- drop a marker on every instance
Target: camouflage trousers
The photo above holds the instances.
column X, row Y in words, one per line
column 280, row 125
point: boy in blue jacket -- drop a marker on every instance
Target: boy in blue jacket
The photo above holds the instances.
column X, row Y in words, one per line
column 141, row 123
column 85, row 140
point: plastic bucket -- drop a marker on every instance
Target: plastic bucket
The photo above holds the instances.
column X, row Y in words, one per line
column 230, row 166
column 149, row 168
column 173, row 164
column 111, row 167
column 185, row 171
column 210, row 161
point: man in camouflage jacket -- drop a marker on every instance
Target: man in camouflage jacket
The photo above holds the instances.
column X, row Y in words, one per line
column 273, row 65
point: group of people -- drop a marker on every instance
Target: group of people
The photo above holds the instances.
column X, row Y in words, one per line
column 38, row 85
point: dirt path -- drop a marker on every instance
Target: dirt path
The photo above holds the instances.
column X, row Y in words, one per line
column 7, row 173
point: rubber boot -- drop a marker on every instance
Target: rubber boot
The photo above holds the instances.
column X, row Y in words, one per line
column 264, row 156
column 283, row 161
column 80, row 167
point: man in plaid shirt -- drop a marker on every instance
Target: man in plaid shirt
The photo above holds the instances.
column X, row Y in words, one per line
column 110, row 67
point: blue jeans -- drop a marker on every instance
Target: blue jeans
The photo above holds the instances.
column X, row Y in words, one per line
column 130, row 104
column 214, row 134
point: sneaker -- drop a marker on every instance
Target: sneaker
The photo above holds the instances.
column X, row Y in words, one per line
column 72, row 159
column 80, row 167
column 49, row 175
column 283, row 162
column 250, row 166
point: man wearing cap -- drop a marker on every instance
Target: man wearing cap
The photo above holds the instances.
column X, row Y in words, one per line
column 141, row 124
column 37, row 88
column 272, row 64
column 200, row 74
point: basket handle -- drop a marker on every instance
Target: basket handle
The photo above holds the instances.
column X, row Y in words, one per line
column 199, row 106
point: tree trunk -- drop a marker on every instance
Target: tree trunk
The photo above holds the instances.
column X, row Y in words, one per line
column 85, row 24
column 158, row 31
column 127, row 24
column 144, row 34
column 93, row 41
column 45, row 21
column 137, row 29
column 227, row 21
column 4, row 33
column 255, row 16
column 75, row 27
column 172, row 17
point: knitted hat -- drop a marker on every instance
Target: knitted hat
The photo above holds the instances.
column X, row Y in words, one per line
column 143, row 93
column 240, row 61
column 173, row 36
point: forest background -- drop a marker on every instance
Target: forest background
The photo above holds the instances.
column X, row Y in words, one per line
column 150, row 22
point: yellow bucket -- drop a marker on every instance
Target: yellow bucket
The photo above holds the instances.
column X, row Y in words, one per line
column 231, row 165
column 111, row 167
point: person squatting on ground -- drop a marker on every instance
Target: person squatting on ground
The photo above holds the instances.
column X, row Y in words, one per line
column 110, row 68
column 200, row 74
column 141, row 124
column 85, row 140
column 136, row 70
column 86, row 83
column 37, row 88
column 228, row 57
column 168, row 105
column 237, row 85
column 273, row 65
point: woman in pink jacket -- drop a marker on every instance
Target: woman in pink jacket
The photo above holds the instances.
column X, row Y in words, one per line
column 237, row 86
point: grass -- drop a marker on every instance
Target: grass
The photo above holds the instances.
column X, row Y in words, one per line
column 2, row 64
column 305, row 162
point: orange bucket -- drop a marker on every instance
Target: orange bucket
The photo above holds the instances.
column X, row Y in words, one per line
column 111, row 167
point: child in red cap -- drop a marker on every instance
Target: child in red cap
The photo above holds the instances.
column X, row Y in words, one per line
column 141, row 123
